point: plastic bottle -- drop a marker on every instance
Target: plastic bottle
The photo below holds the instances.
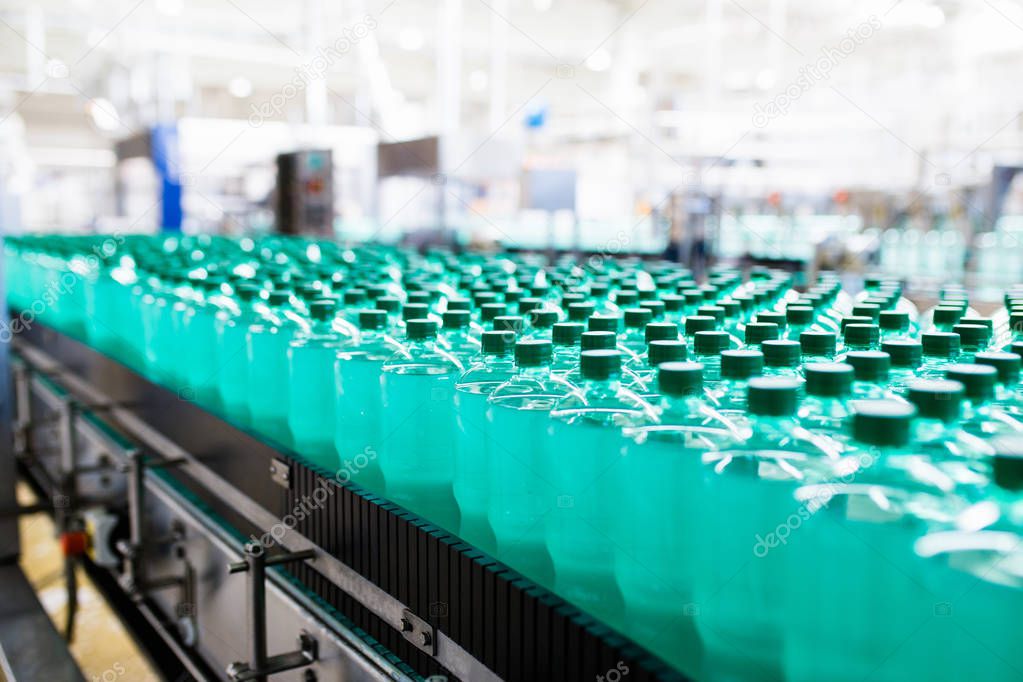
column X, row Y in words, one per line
column 781, row 358
column 707, row 347
column 456, row 337
column 1008, row 393
column 817, row 346
column 940, row 350
column 737, row 368
column 567, row 337
column 981, row 416
column 586, row 432
column 311, row 387
column 267, row 341
column 417, row 454
column 476, row 446
column 232, row 332
column 861, row 337
column 871, row 369
column 973, row 339
column 828, row 388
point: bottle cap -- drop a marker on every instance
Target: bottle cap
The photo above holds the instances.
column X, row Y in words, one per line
column 714, row 311
column 322, row 309
column 414, row 311
column 817, row 342
column 389, row 303
column 870, row 310
column 354, row 297
column 598, row 365
column 598, row 340
column 419, row 329
column 940, row 344
column 1006, row 364
column 977, row 380
column 798, row 315
column 855, row 319
column 773, row 396
column 894, row 320
column 972, row 335
column 567, row 333
column 656, row 308
column 869, row 365
column 496, row 343
column 248, row 292
column 580, row 312
column 904, row 352
column 780, row 353
column 862, row 334
column 1007, row 463
column 543, row 319
column 710, row 343
column 455, row 319
column 672, row 302
column 527, row 304
column 509, row 323
column 660, row 351
column 694, row 297
column 882, row 423
column 278, row 297
column 936, row 398
column 770, row 317
column 732, row 308
column 741, row 364
column 680, row 378
column 699, row 323
column 1016, row 323
column 372, row 319
column 626, row 298
column 982, row 321
column 947, row 315
column 605, row 323
column 418, row 296
column 533, row 352
column 459, row 304
column 661, row 331
column 758, row 332
column 828, row 379
column 491, row 311
column 636, row 318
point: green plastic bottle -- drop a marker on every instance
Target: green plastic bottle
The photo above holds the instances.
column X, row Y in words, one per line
column 267, row 342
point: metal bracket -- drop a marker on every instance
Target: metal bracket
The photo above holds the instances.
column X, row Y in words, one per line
column 255, row 564
column 280, row 473
column 419, row 632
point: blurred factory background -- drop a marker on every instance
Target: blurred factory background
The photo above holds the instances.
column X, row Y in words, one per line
column 881, row 135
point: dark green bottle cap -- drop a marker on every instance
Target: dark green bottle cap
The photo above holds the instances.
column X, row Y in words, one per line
column 781, row 352
column 604, row 323
column 772, row 396
column 673, row 302
column 354, row 297
column 308, row 292
column 1006, row 364
column 862, row 334
column 1007, row 463
column 869, row 365
column 732, row 308
column 884, row 423
column 278, row 297
column 680, row 379
column 699, row 323
column 656, row 308
column 636, row 318
column 798, row 315
column 936, row 398
column 599, row 289
column 372, row 319
column 455, row 319
column 528, row 303
column 580, row 312
column 1016, row 323
column 694, row 297
column 854, row 319
column 509, row 323
column 947, row 315
column 745, row 302
column 459, row 304
column 714, row 311
column 567, row 333
column 828, row 379
column 1016, row 347
column 982, row 321
column 599, row 365
column 741, row 364
column 940, row 344
column 248, row 292
column 972, row 335
column 867, row 310
column 491, row 311
column 496, row 343
column 661, row 331
column 904, row 352
column 894, row 320
column 978, row 380
column 389, row 303
column 322, row 309
column 662, row 350
column 769, row 317
column 817, row 342
column 710, row 343
column 543, row 318
column 419, row 297
column 414, row 311
column 626, row 298
column 533, row 353
column 420, row 329
column 484, row 296
column 758, row 332
column 598, row 340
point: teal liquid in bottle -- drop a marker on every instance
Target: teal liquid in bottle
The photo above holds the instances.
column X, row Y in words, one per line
column 232, row 334
column 475, row 437
column 267, row 344
column 358, row 422
column 417, row 455
column 311, row 386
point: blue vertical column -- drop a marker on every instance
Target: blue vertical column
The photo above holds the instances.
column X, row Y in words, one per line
column 166, row 159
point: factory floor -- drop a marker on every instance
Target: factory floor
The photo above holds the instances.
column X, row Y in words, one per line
column 102, row 647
